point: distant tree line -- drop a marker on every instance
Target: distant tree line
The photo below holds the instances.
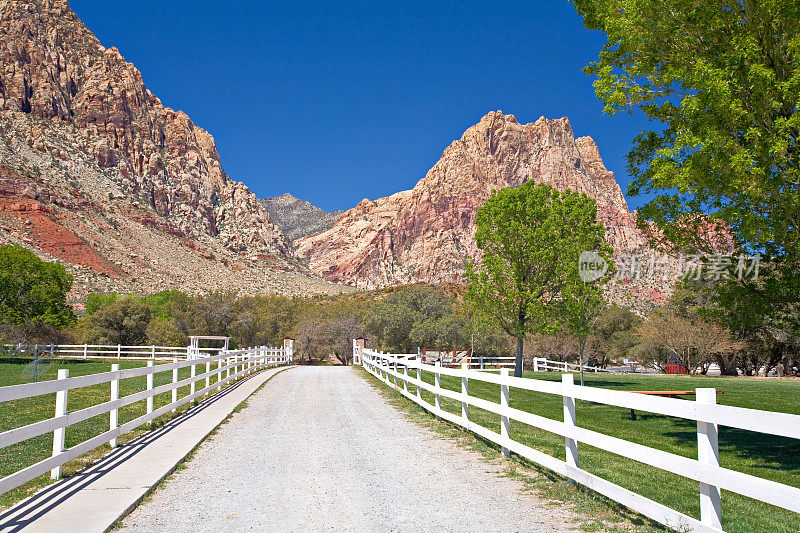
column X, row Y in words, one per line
column 33, row 309
column 692, row 329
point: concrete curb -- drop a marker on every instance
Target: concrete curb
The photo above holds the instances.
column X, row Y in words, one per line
column 96, row 498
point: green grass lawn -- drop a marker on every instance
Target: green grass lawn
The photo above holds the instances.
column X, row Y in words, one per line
column 769, row 457
column 22, row 412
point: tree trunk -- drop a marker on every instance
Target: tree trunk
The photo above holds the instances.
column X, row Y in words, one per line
column 728, row 364
column 518, row 359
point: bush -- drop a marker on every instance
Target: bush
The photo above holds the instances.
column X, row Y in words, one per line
column 33, row 293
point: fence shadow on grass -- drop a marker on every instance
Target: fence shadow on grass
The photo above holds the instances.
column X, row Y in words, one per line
column 773, row 452
column 25, row 512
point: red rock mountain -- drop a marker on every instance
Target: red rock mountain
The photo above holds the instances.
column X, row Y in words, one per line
column 97, row 173
column 427, row 233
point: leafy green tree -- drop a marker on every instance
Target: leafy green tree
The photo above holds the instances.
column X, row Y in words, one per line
column 164, row 332
column 95, row 300
column 531, row 238
column 162, row 303
column 614, row 329
column 392, row 319
column 721, row 80
column 32, row 290
column 448, row 332
column 123, row 322
column 582, row 301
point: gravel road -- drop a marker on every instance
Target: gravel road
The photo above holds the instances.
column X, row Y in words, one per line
column 318, row 449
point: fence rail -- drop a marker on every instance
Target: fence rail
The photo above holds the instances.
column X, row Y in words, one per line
column 229, row 366
column 103, row 351
column 541, row 364
column 476, row 361
column 391, row 368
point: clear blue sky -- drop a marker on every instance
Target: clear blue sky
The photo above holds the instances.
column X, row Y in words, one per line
column 335, row 101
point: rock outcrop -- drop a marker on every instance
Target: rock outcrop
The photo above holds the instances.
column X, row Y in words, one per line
column 298, row 218
column 427, row 234
column 53, row 68
column 86, row 146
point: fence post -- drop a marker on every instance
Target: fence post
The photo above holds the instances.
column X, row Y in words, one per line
column 174, row 380
column 219, row 374
column 405, row 375
column 419, row 378
column 85, row 351
column 119, row 351
column 438, row 382
column 59, row 432
column 208, row 376
column 708, row 453
column 464, row 392
column 394, row 365
column 535, row 364
column 153, row 352
column 505, row 425
column 113, row 414
column 288, row 350
column 149, row 388
column 567, row 382
column 194, row 373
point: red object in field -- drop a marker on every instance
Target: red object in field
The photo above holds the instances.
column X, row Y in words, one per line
column 675, row 368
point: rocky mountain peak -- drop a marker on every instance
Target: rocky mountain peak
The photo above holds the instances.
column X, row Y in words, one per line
column 97, row 173
column 298, row 218
column 53, row 68
column 427, row 234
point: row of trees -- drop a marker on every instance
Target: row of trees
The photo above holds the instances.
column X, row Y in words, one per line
column 691, row 329
column 33, row 309
column 683, row 332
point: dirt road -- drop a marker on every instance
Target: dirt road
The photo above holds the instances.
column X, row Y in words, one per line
column 318, row 449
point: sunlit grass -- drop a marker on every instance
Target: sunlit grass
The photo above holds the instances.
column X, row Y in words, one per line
column 766, row 456
column 26, row 411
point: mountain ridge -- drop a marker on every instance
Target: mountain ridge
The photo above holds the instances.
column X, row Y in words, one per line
column 296, row 217
column 97, row 171
column 426, row 234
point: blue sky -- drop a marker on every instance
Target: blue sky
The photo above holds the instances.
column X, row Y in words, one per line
column 334, row 102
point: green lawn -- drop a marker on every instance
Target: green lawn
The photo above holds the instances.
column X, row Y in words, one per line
column 774, row 458
column 22, row 412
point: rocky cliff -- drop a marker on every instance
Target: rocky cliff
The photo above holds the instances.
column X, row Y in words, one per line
column 298, row 218
column 427, row 233
column 121, row 186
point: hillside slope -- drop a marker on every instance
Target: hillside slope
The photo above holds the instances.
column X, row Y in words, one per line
column 95, row 172
column 427, row 234
column 298, row 218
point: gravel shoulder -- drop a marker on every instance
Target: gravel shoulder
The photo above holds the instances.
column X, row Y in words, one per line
column 319, row 449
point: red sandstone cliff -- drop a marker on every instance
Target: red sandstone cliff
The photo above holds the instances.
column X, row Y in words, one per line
column 427, row 233
column 98, row 159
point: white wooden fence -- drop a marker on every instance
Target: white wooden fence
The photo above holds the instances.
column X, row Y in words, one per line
column 394, row 369
column 479, row 362
column 215, row 370
column 541, row 364
column 101, row 351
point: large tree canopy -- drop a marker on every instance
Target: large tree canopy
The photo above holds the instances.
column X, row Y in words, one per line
column 32, row 290
column 720, row 80
column 528, row 280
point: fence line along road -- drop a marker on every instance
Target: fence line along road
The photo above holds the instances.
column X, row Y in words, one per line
column 394, row 368
column 480, row 362
column 542, row 364
column 229, row 366
column 103, row 351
